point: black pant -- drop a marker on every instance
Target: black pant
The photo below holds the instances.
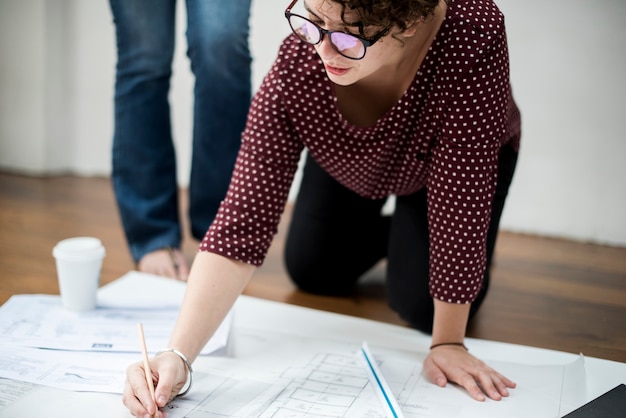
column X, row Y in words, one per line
column 336, row 236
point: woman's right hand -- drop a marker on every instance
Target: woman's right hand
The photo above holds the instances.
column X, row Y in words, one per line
column 169, row 375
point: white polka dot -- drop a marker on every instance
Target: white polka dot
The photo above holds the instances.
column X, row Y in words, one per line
column 444, row 134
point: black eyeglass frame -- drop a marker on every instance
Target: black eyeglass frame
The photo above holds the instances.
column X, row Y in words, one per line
column 367, row 42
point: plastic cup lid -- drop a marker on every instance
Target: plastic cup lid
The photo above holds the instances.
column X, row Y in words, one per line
column 79, row 248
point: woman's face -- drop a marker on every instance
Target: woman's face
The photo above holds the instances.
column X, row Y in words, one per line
column 342, row 70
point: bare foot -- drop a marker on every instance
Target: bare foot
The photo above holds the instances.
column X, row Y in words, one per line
column 168, row 262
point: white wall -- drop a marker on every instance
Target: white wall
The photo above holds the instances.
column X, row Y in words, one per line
column 567, row 67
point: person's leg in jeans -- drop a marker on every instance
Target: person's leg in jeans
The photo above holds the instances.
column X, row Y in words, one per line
column 335, row 235
column 217, row 35
column 143, row 156
column 407, row 264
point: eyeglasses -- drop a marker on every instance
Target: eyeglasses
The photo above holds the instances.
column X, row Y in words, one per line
column 346, row 44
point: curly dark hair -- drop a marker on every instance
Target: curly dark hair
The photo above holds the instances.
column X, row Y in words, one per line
column 386, row 13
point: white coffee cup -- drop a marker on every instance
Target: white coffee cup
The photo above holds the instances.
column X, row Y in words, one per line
column 79, row 262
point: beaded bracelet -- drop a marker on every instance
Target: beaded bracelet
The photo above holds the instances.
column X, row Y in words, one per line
column 453, row 343
column 187, row 363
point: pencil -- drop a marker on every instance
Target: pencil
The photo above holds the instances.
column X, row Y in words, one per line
column 146, row 363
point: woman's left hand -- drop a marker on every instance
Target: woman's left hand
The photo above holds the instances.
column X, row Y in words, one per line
column 455, row 364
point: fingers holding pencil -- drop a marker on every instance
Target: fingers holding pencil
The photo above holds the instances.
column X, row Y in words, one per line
column 169, row 376
column 139, row 393
column 137, row 396
column 167, row 372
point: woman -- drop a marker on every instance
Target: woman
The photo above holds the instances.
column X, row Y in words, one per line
column 389, row 97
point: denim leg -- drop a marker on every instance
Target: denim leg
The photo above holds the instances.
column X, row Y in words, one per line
column 143, row 157
column 217, row 37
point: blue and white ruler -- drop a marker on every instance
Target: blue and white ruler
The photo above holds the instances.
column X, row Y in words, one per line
column 378, row 382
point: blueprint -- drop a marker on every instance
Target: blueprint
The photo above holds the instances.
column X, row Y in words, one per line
column 279, row 361
column 332, row 382
column 12, row 390
column 41, row 321
column 330, row 386
column 69, row 370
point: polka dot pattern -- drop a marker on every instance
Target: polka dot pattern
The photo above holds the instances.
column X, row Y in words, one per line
column 444, row 134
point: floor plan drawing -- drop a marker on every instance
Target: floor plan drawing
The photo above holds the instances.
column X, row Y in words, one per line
column 329, row 385
column 284, row 361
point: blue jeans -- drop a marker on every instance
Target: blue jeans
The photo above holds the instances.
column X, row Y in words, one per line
column 143, row 157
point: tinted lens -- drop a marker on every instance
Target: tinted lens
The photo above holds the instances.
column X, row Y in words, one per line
column 347, row 45
column 305, row 30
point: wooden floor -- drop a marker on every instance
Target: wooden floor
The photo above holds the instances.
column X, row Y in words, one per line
column 548, row 293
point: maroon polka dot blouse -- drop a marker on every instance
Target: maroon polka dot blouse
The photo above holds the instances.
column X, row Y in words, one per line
column 444, row 134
